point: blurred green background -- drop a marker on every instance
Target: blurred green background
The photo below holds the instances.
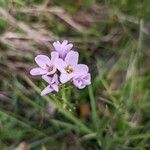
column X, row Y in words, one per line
column 113, row 38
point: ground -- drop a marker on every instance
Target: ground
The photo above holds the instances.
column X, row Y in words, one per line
column 112, row 113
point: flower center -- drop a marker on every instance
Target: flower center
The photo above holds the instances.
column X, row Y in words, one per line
column 49, row 68
column 69, row 69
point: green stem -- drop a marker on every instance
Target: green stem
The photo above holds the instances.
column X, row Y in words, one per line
column 82, row 127
column 140, row 35
column 64, row 124
column 88, row 137
column 94, row 114
column 93, row 107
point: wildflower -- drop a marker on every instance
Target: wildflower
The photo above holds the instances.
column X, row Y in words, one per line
column 82, row 81
column 62, row 48
column 53, row 84
column 61, row 68
column 46, row 65
column 70, row 68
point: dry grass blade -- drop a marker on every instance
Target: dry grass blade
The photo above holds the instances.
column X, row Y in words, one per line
column 4, row 98
column 37, row 36
column 17, row 41
column 68, row 19
column 59, row 12
column 30, row 41
column 9, row 18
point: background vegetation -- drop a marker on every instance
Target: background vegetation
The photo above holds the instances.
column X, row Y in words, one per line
column 113, row 38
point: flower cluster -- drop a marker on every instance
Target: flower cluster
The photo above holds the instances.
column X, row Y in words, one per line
column 61, row 67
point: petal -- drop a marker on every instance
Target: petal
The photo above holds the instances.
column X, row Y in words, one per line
column 64, row 43
column 52, row 71
column 81, row 86
column 37, row 71
column 72, row 58
column 42, row 61
column 81, row 69
column 46, row 78
column 55, row 87
column 75, row 82
column 87, row 79
column 65, row 46
column 47, row 90
column 55, row 79
column 57, row 45
column 54, row 56
column 69, row 47
column 60, row 65
column 65, row 77
column 78, row 83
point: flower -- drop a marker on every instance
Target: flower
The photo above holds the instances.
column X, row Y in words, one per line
column 46, row 65
column 82, row 81
column 53, row 84
column 62, row 48
column 70, row 68
column 61, row 67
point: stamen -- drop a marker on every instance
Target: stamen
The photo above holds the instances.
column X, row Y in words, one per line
column 69, row 69
column 49, row 68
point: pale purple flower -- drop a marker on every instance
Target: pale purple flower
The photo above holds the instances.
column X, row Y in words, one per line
column 62, row 48
column 61, row 67
column 70, row 68
column 53, row 84
column 82, row 81
column 46, row 65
